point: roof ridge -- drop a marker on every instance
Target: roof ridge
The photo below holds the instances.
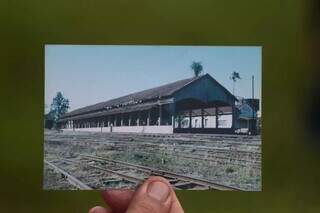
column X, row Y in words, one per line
column 193, row 79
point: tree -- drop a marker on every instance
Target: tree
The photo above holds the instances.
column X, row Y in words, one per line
column 49, row 120
column 234, row 77
column 197, row 68
column 59, row 106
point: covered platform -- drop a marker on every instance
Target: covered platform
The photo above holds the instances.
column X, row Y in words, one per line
column 193, row 105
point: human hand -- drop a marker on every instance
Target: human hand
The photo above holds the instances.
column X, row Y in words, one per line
column 155, row 195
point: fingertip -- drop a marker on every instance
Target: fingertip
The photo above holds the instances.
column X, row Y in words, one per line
column 116, row 195
column 154, row 195
column 118, row 200
column 99, row 209
column 160, row 179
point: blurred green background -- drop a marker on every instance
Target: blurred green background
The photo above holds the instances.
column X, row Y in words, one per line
column 291, row 174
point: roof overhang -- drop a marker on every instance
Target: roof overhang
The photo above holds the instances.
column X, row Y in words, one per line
column 120, row 110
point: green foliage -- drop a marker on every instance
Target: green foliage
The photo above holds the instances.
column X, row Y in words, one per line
column 234, row 76
column 197, row 68
column 49, row 120
column 59, row 106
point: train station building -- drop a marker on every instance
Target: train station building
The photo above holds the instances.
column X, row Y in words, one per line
column 194, row 105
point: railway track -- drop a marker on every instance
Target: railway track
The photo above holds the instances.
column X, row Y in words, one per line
column 71, row 179
column 172, row 138
column 177, row 181
column 213, row 155
column 156, row 140
column 162, row 145
column 220, row 159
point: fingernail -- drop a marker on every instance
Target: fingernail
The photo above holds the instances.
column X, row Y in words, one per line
column 158, row 191
column 97, row 209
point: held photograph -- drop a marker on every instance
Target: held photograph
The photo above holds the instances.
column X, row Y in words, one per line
column 115, row 115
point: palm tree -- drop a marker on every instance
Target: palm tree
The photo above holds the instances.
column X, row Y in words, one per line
column 197, row 68
column 234, row 77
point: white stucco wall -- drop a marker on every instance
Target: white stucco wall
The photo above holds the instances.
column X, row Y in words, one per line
column 94, row 129
column 225, row 121
column 133, row 129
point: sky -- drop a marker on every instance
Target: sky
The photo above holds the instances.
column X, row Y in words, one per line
column 88, row 74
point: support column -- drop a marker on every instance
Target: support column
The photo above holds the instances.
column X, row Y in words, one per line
column 129, row 121
column 190, row 119
column 121, row 122
column 160, row 115
column 148, row 118
column 233, row 126
column 138, row 119
column 173, row 110
column 217, row 119
column 172, row 121
column 202, row 118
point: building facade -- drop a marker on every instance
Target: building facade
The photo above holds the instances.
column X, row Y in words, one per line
column 193, row 105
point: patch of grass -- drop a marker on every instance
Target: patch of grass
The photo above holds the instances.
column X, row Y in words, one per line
column 229, row 170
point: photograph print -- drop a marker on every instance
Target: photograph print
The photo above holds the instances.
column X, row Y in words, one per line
column 116, row 114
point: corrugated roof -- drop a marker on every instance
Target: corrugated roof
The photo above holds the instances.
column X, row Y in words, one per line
column 134, row 100
column 125, row 109
column 149, row 94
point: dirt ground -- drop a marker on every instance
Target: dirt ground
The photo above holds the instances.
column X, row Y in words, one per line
column 229, row 160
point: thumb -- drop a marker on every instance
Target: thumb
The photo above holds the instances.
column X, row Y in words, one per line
column 153, row 196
